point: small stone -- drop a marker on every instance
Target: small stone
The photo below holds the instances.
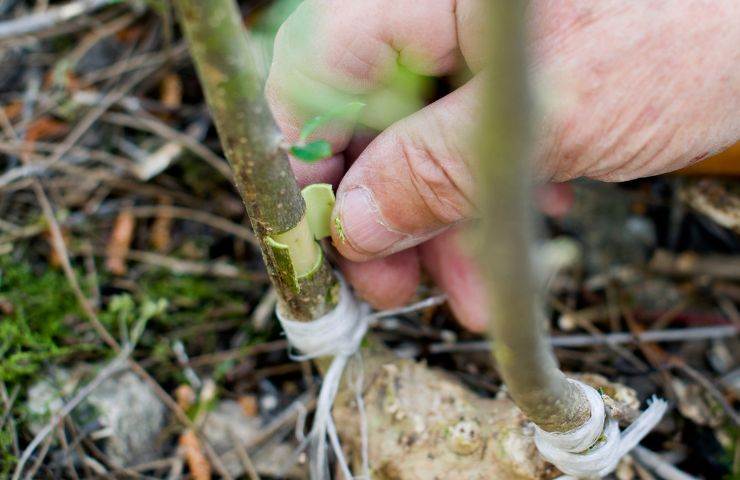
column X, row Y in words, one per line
column 465, row 437
column 268, row 402
column 228, row 423
column 131, row 416
column 448, row 336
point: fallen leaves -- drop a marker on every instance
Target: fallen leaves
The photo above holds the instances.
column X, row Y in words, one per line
column 120, row 242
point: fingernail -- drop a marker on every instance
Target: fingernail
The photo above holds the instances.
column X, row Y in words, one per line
column 363, row 225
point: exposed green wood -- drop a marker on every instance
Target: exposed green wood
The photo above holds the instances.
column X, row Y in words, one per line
column 320, row 201
column 226, row 67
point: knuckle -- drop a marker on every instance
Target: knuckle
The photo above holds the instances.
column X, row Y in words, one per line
column 440, row 180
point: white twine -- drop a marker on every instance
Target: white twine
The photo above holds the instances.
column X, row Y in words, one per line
column 338, row 334
column 594, row 449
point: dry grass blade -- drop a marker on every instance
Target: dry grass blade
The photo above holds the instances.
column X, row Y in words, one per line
column 49, row 18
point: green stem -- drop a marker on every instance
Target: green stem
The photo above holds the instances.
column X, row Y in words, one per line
column 523, row 355
column 226, row 67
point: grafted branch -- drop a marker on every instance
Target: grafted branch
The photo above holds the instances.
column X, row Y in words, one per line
column 524, row 357
column 233, row 88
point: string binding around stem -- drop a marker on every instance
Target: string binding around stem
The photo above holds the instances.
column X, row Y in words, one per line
column 594, row 449
column 339, row 334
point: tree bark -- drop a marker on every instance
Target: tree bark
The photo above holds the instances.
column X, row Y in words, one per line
column 227, row 69
column 523, row 354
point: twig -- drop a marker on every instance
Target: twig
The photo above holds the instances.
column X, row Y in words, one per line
column 158, row 127
column 174, row 55
column 662, row 468
column 67, row 458
column 17, row 147
column 36, row 22
column 8, row 401
column 58, row 242
column 218, row 357
column 695, row 375
column 187, row 267
column 42, row 455
column 112, row 368
column 244, row 458
column 94, row 114
column 301, row 406
column 59, row 245
column 593, row 330
column 575, row 341
column 200, row 216
column 264, row 310
column 692, row 264
column 182, row 359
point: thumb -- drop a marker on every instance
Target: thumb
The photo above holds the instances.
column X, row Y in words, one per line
column 412, row 182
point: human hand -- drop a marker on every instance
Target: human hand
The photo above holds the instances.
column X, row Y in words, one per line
column 628, row 89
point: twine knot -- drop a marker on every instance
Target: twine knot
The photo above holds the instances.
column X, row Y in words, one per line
column 338, row 334
column 594, row 449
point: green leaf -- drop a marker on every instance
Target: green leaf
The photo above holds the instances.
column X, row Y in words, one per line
column 312, row 152
column 319, row 198
column 348, row 111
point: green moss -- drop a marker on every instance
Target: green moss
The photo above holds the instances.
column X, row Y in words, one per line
column 37, row 314
column 185, row 292
column 40, row 325
column 39, row 309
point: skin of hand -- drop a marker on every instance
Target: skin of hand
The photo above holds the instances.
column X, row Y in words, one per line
column 626, row 90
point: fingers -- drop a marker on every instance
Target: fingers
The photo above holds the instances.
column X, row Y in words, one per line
column 412, row 182
column 632, row 89
column 385, row 282
column 454, row 270
column 332, row 52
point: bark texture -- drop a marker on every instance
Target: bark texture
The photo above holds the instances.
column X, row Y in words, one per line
column 523, row 354
column 228, row 72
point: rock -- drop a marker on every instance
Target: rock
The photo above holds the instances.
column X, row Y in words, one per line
column 228, row 423
column 128, row 412
column 422, row 423
column 132, row 416
column 697, row 405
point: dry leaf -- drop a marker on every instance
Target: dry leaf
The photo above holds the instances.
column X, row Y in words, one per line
column 249, row 404
column 120, row 242
column 55, row 257
column 200, row 468
column 43, row 128
column 13, row 109
column 185, row 396
column 171, row 91
column 161, row 228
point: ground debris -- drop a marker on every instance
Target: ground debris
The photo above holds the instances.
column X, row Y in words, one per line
column 123, row 413
column 717, row 199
